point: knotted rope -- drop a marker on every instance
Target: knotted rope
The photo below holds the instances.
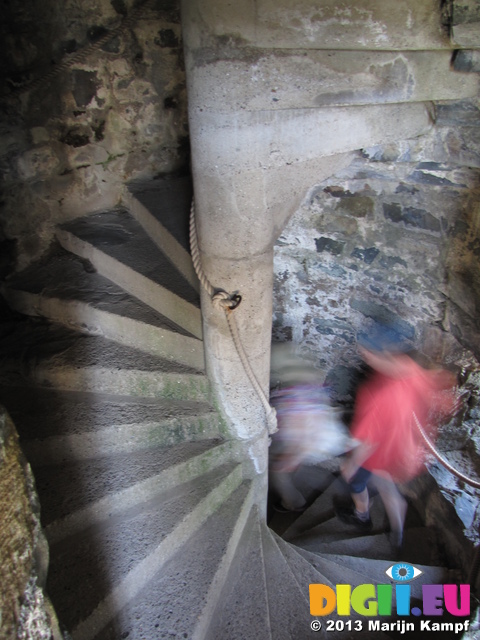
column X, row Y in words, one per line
column 438, row 456
column 229, row 302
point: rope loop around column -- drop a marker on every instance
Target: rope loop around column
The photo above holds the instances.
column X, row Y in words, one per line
column 221, row 299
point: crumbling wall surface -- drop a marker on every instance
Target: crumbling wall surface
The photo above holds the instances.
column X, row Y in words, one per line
column 25, row 612
column 69, row 140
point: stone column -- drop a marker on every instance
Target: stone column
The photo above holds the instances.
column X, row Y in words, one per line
column 261, row 136
column 245, row 189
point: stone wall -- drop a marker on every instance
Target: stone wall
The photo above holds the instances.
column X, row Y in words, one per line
column 25, row 612
column 71, row 139
column 395, row 238
column 392, row 237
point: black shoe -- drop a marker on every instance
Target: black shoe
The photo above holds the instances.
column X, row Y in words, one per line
column 348, row 515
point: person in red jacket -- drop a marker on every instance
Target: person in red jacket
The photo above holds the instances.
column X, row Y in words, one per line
column 391, row 449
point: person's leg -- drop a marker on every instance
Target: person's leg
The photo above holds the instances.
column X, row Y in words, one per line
column 395, row 506
column 359, row 493
column 361, row 501
column 359, row 515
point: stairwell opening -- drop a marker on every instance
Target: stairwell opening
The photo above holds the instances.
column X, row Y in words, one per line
column 386, row 240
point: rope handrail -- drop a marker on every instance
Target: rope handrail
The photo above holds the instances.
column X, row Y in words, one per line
column 78, row 56
column 441, row 459
column 229, row 302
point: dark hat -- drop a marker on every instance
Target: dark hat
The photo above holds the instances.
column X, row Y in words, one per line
column 384, row 338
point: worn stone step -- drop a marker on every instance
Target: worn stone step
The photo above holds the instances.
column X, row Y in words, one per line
column 67, row 488
column 166, row 594
column 311, row 481
column 75, row 412
column 68, row 290
column 346, row 573
column 78, row 496
column 118, row 247
column 279, row 24
column 318, row 512
column 352, row 570
column 333, row 528
column 228, row 579
column 420, row 546
column 333, row 573
column 59, row 426
column 37, row 353
column 254, row 82
column 242, row 609
column 307, row 573
column 162, row 207
column 86, row 567
column 288, row 604
column 120, row 439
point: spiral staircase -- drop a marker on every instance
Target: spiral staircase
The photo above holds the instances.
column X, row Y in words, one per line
column 154, row 514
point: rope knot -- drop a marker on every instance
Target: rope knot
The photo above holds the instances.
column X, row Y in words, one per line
column 223, row 300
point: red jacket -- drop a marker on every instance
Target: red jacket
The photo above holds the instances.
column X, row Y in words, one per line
column 384, row 418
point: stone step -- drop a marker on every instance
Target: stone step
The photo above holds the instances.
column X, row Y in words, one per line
column 162, row 207
column 67, row 488
column 320, row 511
column 167, row 594
column 86, row 567
column 355, row 571
column 288, row 604
column 242, row 610
column 40, row 354
column 420, row 546
column 224, row 581
column 388, row 25
column 120, row 439
column 333, row 528
column 57, row 426
column 370, row 570
column 46, row 413
column 67, row 290
column 328, row 78
column 118, row 247
column 346, row 573
column 75, row 497
column 311, row 481
column 307, row 572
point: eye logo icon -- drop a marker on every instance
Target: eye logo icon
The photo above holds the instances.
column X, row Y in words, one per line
column 403, row 572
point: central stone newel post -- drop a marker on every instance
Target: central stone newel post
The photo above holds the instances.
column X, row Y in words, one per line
column 265, row 128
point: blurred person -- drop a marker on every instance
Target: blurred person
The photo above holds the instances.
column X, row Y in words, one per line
column 309, row 428
column 391, row 449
